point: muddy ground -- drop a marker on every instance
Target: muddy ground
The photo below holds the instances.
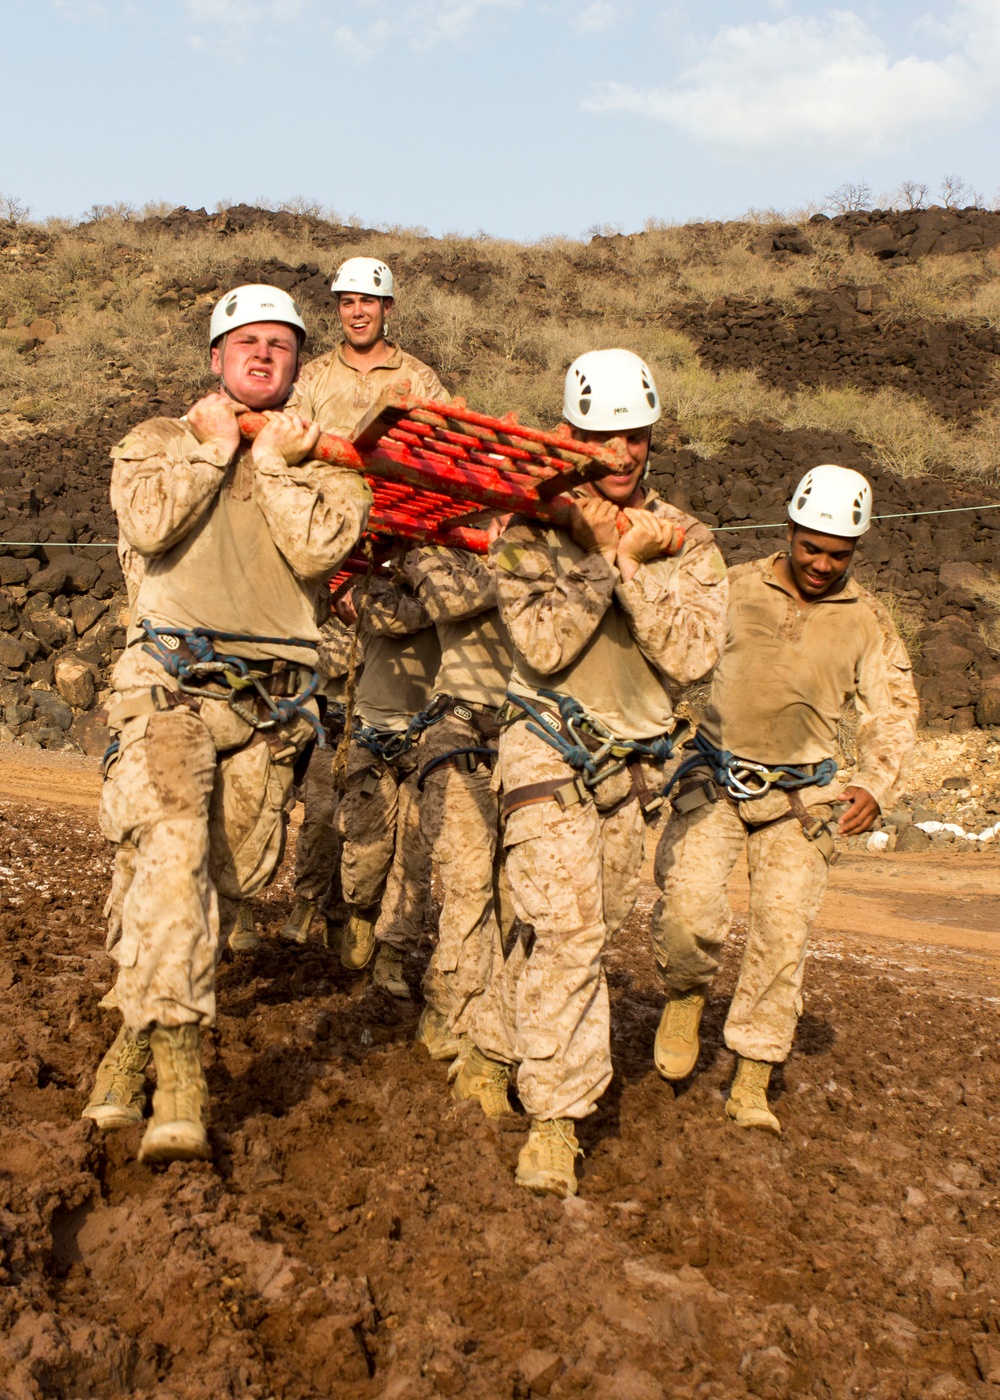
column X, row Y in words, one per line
column 359, row 1235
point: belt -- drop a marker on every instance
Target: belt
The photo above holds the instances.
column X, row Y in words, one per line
column 699, row 794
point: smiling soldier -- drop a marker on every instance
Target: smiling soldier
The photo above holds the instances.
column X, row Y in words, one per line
column 214, row 695
column 803, row 638
column 338, row 389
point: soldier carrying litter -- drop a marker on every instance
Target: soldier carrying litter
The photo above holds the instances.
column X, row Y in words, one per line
column 214, row 695
column 803, row 638
column 604, row 626
column 458, row 802
column 383, row 865
column 338, row 390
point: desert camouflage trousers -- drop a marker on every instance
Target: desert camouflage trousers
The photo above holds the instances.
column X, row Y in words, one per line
column 383, row 853
column 318, row 845
column 458, row 819
column 196, row 804
column 573, row 878
column 694, row 860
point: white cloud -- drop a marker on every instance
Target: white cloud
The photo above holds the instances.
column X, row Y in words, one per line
column 822, row 87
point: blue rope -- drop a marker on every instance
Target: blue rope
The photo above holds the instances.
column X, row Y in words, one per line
column 593, row 764
column 730, row 772
column 400, row 741
column 386, row 744
column 234, row 670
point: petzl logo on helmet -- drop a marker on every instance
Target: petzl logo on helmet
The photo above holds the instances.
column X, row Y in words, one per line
column 231, row 306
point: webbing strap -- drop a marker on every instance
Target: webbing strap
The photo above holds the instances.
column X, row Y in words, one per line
column 567, row 792
column 452, row 758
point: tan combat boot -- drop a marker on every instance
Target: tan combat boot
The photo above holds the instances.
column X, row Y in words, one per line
column 547, row 1161
column 296, row 927
column 176, row 1131
column 388, row 972
column 747, row 1102
column 357, row 942
column 433, row 1034
column 244, row 937
column 119, row 1090
column 675, row 1050
column 474, row 1076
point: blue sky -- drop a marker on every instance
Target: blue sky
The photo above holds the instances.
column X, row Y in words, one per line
column 518, row 117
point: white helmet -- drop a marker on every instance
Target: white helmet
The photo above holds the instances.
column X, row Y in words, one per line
column 368, row 276
column 254, row 302
column 834, row 500
column 607, row 389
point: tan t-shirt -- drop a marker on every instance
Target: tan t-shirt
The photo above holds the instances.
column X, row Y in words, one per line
column 398, row 679
column 786, row 672
column 232, row 545
column 458, row 591
column 337, row 396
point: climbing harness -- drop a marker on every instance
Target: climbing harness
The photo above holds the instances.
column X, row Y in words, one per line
column 585, row 742
column 587, row 745
column 464, row 758
column 188, row 656
column 742, row 780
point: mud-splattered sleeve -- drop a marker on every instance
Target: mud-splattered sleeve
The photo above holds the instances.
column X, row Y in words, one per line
column 550, row 614
column 316, row 511
column 677, row 608
column 452, row 584
column 888, row 708
column 334, row 648
column 162, row 483
column 391, row 609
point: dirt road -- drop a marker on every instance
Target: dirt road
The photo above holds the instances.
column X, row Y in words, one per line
column 359, row 1235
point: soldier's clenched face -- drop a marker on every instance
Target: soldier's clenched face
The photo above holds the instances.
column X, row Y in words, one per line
column 258, row 363
column 620, row 487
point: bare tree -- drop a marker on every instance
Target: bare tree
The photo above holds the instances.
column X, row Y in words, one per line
column 14, row 210
column 850, row 197
column 915, row 195
column 958, row 193
column 119, row 211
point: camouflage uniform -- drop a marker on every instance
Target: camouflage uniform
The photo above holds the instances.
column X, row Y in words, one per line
column 338, row 397
column 318, row 848
column 458, row 805
column 235, row 545
column 785, row 673
column 619, row 648
column 384, row 857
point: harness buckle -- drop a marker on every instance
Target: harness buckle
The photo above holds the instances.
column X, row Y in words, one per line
column 369, row 785
column 571, row 794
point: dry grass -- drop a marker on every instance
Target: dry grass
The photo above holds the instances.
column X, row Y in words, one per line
column 507, row 348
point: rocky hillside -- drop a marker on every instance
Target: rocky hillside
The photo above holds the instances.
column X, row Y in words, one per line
column 871, row 339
